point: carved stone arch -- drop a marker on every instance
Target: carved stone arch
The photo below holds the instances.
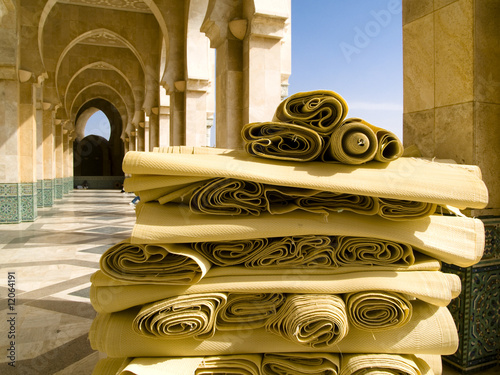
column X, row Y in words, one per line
column 101, row 65
column 51, row 3
column 91, row 33
column 112, row 77
column 73, row 106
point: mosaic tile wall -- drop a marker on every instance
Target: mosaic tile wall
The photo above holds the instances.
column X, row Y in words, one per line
column 10, row 203
column 58, row 188
column 48, row 193
column 39, row 193
column 476, row 311
column 18, row 202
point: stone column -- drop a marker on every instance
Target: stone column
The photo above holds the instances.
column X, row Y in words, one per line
column 154, row 128
column 196, row 112
column 10, row 200
column 71, row 178
column 262, row 66
column 451, row 59
column 66, row 172
column 48, row 157
column 38, row 97
column 132, row 144
column 58, row 158
column 164, row 121
column 27, row 151
column 177, row 118
column 229, row 93
column 140, row 136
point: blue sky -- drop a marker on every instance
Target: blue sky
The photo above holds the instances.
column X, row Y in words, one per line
column 352, row 47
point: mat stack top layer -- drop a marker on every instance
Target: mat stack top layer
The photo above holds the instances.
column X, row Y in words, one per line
column 316, row 250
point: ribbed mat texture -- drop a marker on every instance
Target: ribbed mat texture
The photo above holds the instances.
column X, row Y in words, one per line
column 316, row 250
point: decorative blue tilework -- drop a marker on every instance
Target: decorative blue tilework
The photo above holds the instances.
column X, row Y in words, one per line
column 28, row 201
column 39, row 193
column 65, row 186
column 475, row 311
column 10, row 209
column 48, row 193
column 9, row 190
column 58, row 188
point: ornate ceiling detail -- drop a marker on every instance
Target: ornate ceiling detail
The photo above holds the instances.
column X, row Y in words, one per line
column 104, row 39
column 128, row 5
column 101, row 65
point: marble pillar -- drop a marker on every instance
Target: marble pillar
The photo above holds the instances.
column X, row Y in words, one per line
column 262, row 68
column 229, row 93
column 48, row 157
column 164, row 121
column 27, row 151
column 451, row 60
column 66, row 164
column 38, row 97
column 58, row 158
column 154, row 129
column 10, row 199
column 140, row 136
column 196, row 112
column 177, row 118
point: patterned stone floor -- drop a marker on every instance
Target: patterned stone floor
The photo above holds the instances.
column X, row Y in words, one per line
column 51, row 261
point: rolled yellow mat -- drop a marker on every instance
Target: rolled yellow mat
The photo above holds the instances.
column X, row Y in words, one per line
column 227, row 196
column 351, row 143
column 404, row 179
column 313, row 320
column 406, row 364
column 388, row 145
column 248, row 310
column 430, row 331
column 320, row 110
column 300, row 364
column 435, row 287
column 190, row 315
column 158, row 264
column 371, row 251
column 377, row 310
column 281, row 141
column 456, row 240
column 245, row 364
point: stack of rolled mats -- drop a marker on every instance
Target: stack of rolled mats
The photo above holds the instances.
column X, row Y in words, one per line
column 284, row 258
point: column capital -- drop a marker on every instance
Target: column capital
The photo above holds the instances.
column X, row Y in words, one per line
column 267, row 26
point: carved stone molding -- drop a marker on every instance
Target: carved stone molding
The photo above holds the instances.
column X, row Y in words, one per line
column 127, row 5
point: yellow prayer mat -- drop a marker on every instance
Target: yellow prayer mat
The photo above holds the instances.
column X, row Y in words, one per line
column 410, row 179
column 430, row 331
column 271, row 364
column 185, row 264
column 228, row 196
column 314, row 320
column 436, row 287
column 354, row 141
column 352, row 364
column 300, row 364
column 377, row 310
column 312, row 251
column 154, row 263
column 455, row 240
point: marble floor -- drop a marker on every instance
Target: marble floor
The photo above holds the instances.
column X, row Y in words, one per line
column 50, row 262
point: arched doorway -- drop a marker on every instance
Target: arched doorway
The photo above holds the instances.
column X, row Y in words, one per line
column 98, row 160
